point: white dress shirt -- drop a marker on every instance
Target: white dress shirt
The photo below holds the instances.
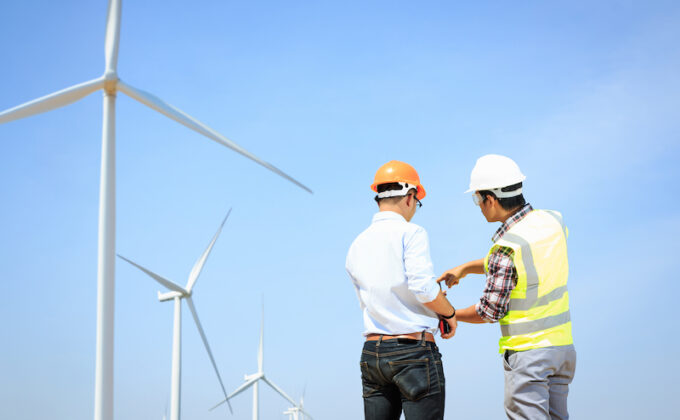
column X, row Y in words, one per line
column 391, row 268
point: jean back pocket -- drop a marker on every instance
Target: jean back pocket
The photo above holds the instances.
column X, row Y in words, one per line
column 412, row 377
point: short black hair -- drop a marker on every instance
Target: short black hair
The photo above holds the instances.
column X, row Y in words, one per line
column 508, row 203
column 391, row 186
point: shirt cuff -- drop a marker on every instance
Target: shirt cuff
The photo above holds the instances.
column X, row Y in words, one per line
column 427, row 294
column 482, row 314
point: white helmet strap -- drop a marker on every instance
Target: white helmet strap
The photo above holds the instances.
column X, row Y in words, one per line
column 405, row 188
column 506, row 194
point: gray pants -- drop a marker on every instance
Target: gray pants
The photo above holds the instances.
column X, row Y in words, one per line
column 537, row 382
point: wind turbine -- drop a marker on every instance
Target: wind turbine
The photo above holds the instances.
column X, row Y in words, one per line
column 295, row 411
column 176, row 294
column 252, row 380
column 110, row 84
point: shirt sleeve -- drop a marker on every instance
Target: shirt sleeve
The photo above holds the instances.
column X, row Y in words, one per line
column 501, row 278
column 418, row 266
column 348, row 268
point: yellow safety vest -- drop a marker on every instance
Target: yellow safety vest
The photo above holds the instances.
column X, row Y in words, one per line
column 538, row 314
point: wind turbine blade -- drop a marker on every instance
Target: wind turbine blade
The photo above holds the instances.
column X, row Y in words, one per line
column 279, row 390
column 302, row 403
column 112, row 36
column 306, row 413
column 52, row 101
column 190, row 303
column 196, row 271
column 162, row 280
column 260, row 351
column 238, row 390
column 169, row 111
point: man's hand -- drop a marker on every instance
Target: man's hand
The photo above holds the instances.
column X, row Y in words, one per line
column 453, row 323
column 453, row 276
column 440, row 305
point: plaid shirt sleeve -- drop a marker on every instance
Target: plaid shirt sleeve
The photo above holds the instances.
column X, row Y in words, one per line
column 500, row 280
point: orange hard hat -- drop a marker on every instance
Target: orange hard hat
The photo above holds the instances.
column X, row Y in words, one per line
column 396, row 171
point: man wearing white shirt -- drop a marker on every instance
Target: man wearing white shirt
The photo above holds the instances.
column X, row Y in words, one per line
column 402, row 304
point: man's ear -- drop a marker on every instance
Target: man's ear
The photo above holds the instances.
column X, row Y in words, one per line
column 493, row 201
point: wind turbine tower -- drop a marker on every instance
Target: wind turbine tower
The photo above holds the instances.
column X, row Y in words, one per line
column 111, row 84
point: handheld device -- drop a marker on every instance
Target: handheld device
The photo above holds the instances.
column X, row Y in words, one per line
column 444, row 326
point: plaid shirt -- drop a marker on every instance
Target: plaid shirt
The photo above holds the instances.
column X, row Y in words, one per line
column 501, row 276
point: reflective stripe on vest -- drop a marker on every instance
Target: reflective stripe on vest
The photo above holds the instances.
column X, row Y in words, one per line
column 538, row 325
column 558, row 217
column 533, row 321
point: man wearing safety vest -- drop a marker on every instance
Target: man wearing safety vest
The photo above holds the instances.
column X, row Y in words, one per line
column 390, row 266
column 526, row 292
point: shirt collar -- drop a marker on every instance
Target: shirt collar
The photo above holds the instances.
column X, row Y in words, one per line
column 512, row 220
column 387, row 215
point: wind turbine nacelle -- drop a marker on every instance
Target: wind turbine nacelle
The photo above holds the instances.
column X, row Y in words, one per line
column 169, row 296
column 253, row 376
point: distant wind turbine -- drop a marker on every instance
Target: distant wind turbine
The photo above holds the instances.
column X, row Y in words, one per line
column 295, row 411
column 111, row 84
column 252, row 380
column 178, row 293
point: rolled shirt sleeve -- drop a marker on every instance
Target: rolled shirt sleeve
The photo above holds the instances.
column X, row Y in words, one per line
column 501, row 279
column 418, row 266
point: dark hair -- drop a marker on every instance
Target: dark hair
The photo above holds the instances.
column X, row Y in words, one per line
column 390, row 186
column 509, row 203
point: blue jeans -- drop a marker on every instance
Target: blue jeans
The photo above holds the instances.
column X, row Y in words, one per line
column 402, row 374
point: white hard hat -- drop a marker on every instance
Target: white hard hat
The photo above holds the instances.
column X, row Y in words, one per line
column 492, row 172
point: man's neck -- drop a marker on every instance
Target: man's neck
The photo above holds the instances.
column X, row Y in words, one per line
column 509, row 213
column 394, row 209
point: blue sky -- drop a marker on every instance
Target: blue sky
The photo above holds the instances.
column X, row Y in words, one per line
column 584, row 96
